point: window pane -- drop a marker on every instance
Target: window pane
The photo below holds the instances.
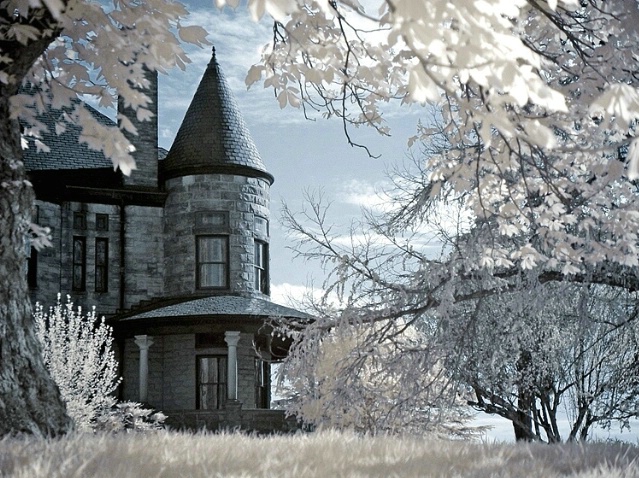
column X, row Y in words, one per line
column 212, row 275
column 212, row 249
column 100, row 252
column 261, row 266
column 78, row 277
column 211, row 386
column 78, row 251
column 259, row 254
column 212, row 261
column 79, row 220
column 261, row 226
column 102, row 222
column 210, row 218
column 79, row 263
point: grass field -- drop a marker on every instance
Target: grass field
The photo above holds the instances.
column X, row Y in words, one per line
column 326, row 454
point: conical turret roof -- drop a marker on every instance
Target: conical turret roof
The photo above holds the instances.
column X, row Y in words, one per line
column 213, row 138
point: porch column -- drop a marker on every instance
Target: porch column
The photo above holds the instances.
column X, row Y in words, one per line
column 232, row 338
column 144, row 342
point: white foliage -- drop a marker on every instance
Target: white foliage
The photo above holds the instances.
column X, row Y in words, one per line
column 77, row 351
column 538, row 106
column 101, row 51
column 371, row 378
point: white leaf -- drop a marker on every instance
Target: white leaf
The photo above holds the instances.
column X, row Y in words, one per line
column 254, row 74
column 633, row 160
column 41, row 147
column 282, row 98
column 193, row 34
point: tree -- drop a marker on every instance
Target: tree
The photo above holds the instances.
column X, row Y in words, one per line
column 524, row 345
column 77, row 351
column 529, row 355
column 539, row 108
column 371, row 378
column 65, row 48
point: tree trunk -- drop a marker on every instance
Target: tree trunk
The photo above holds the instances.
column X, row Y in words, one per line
column 522, row 423
column 30, row 401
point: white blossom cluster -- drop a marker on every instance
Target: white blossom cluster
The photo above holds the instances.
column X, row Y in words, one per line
column 77, row 351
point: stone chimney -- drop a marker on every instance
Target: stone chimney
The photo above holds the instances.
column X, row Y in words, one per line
column 146, row 141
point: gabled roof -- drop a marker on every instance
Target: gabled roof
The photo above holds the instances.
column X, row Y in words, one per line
column 66, row 152
column 213, row 138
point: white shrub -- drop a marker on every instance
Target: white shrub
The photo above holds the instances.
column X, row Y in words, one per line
column 78, row 353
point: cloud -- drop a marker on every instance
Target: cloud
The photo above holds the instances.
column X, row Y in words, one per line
column 365, row 194
column 290, row 295
column 298, row 296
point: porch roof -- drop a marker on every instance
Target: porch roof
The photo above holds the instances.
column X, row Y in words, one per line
column 222, row 305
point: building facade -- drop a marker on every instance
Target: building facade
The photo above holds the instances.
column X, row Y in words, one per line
column 176, row 256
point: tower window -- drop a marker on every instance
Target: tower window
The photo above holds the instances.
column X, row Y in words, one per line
column 260, row 226
column 101, row 264
column 211, row 382
column 212, row 265
column 212, row 221
column 261, row 266
column 79, row 263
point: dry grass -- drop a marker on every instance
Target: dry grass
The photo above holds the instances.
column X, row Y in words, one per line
column 316, row 455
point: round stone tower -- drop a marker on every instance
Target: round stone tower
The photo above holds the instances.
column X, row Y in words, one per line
column 216, row 216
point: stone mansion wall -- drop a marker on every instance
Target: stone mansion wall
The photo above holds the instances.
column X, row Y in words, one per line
column 172, row 371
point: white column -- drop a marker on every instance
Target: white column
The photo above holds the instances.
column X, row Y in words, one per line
column 144, row 342
column 232, row 338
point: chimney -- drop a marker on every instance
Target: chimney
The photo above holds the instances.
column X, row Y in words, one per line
column 146, row 141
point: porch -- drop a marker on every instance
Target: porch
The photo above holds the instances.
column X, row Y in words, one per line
column 232, row 417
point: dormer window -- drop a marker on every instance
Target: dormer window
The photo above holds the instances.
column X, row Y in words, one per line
column 212, row 267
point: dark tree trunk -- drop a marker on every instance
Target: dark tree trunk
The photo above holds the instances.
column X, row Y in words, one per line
column 30, row 401
column 522, row 423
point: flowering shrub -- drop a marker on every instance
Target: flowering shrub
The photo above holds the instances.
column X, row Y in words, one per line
column 78, row 353
column 129, row 416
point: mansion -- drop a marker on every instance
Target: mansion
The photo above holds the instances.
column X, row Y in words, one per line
column 176, row 256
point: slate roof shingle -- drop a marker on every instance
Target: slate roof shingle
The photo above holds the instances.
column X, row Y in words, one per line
column 213, row 135
column 225, row 305
column 66, row 152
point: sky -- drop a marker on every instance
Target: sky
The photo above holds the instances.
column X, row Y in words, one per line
column 302, row 155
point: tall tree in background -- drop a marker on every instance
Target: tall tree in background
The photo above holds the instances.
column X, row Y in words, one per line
column 534, row 141
column 530, row 355
column 526, row 348
column 64, row 48
column 539, row 106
